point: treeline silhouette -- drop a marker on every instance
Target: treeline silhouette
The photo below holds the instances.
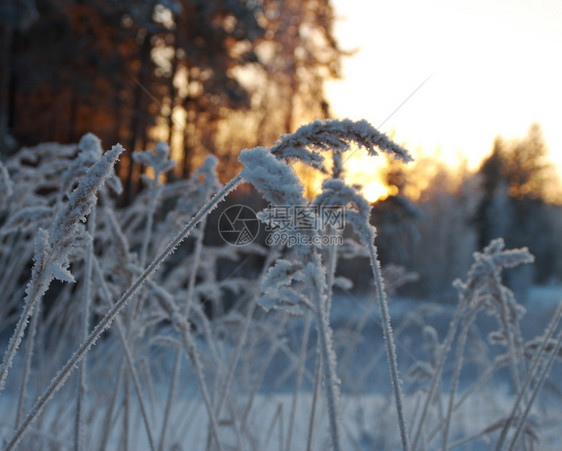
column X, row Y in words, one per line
column 515, row 194
column 206, row 76
column 219, row 76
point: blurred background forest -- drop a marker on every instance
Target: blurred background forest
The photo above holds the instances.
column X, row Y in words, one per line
column 220, row 76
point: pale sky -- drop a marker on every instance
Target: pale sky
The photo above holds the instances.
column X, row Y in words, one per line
column 495, row 67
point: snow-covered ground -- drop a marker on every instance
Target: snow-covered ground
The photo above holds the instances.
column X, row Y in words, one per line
column 368, row 415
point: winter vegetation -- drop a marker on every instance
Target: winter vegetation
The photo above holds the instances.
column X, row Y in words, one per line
column 187, row 263
column 132, row 331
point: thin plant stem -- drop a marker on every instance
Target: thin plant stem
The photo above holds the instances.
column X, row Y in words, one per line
column 154, row 192
column 106, row 431
column 276, row 417
column 329, row 371
column 456, row 373
column 177, row 360
column 191, row 351
column 58, row 381
column 476, row 385
column 463, row 441
column 390, row 346
column 265, row 364
column 322, row 296
column 176, row 370
column 79, row 428
column 126, row 412
column 35, row 293
column 243, row 335
column 538, row 355
column 504, row 312
column 27, row 364
column 50, row 249
column 538, row 386
column 299, row 376
column 128, row 356
column 438, row 370
column 332, row 263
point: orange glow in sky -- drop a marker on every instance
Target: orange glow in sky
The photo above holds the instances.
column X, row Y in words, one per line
column 494, row 67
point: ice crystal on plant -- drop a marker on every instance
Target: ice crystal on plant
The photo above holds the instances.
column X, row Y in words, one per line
column 63, row 233
column 90, row 151
column 200, row 187
column 158, row 160
column 273, row 177
column 28, row 218
column 336, row 136
column 6, row 186
column 278, row 287
column 357, row 208
column 484, row 276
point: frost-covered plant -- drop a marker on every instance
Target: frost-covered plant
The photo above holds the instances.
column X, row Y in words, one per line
column 89, row 152
column 52, row 248
column 540, row 345
column 308, row 139
column 200, row 187
column 160, row 163
column 335, row 136
column 36, row 173
column 280, row 186
column 6, row 186
column 483, row 289
column 229, row 348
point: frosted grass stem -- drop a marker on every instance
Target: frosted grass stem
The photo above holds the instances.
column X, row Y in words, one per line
column 475, row 386
column 456, row 373
column 312, row 419
column 9, row 277
column 265, row 364
column 390, row 346
column 177, row 360
column 126, row 412
column 176, row 371
column 79, row 428
column 52, row 248
column 37, row 288
column 189, row 346
column 27, row 364
column 536, row 390
column 154, row 194
column 273, row 254
column 299, row 376
column 276, row 417
column 504, row 312
column 59, row 380
column 326, row 346
column 106, row 429
column 536, row 360
column 128, row 356
column 331, row 265
column 437, row 371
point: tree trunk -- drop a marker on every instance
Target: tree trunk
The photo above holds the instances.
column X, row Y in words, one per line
column 172, row 91
column 4, row 88
column 139, row 105
column 188, row 105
